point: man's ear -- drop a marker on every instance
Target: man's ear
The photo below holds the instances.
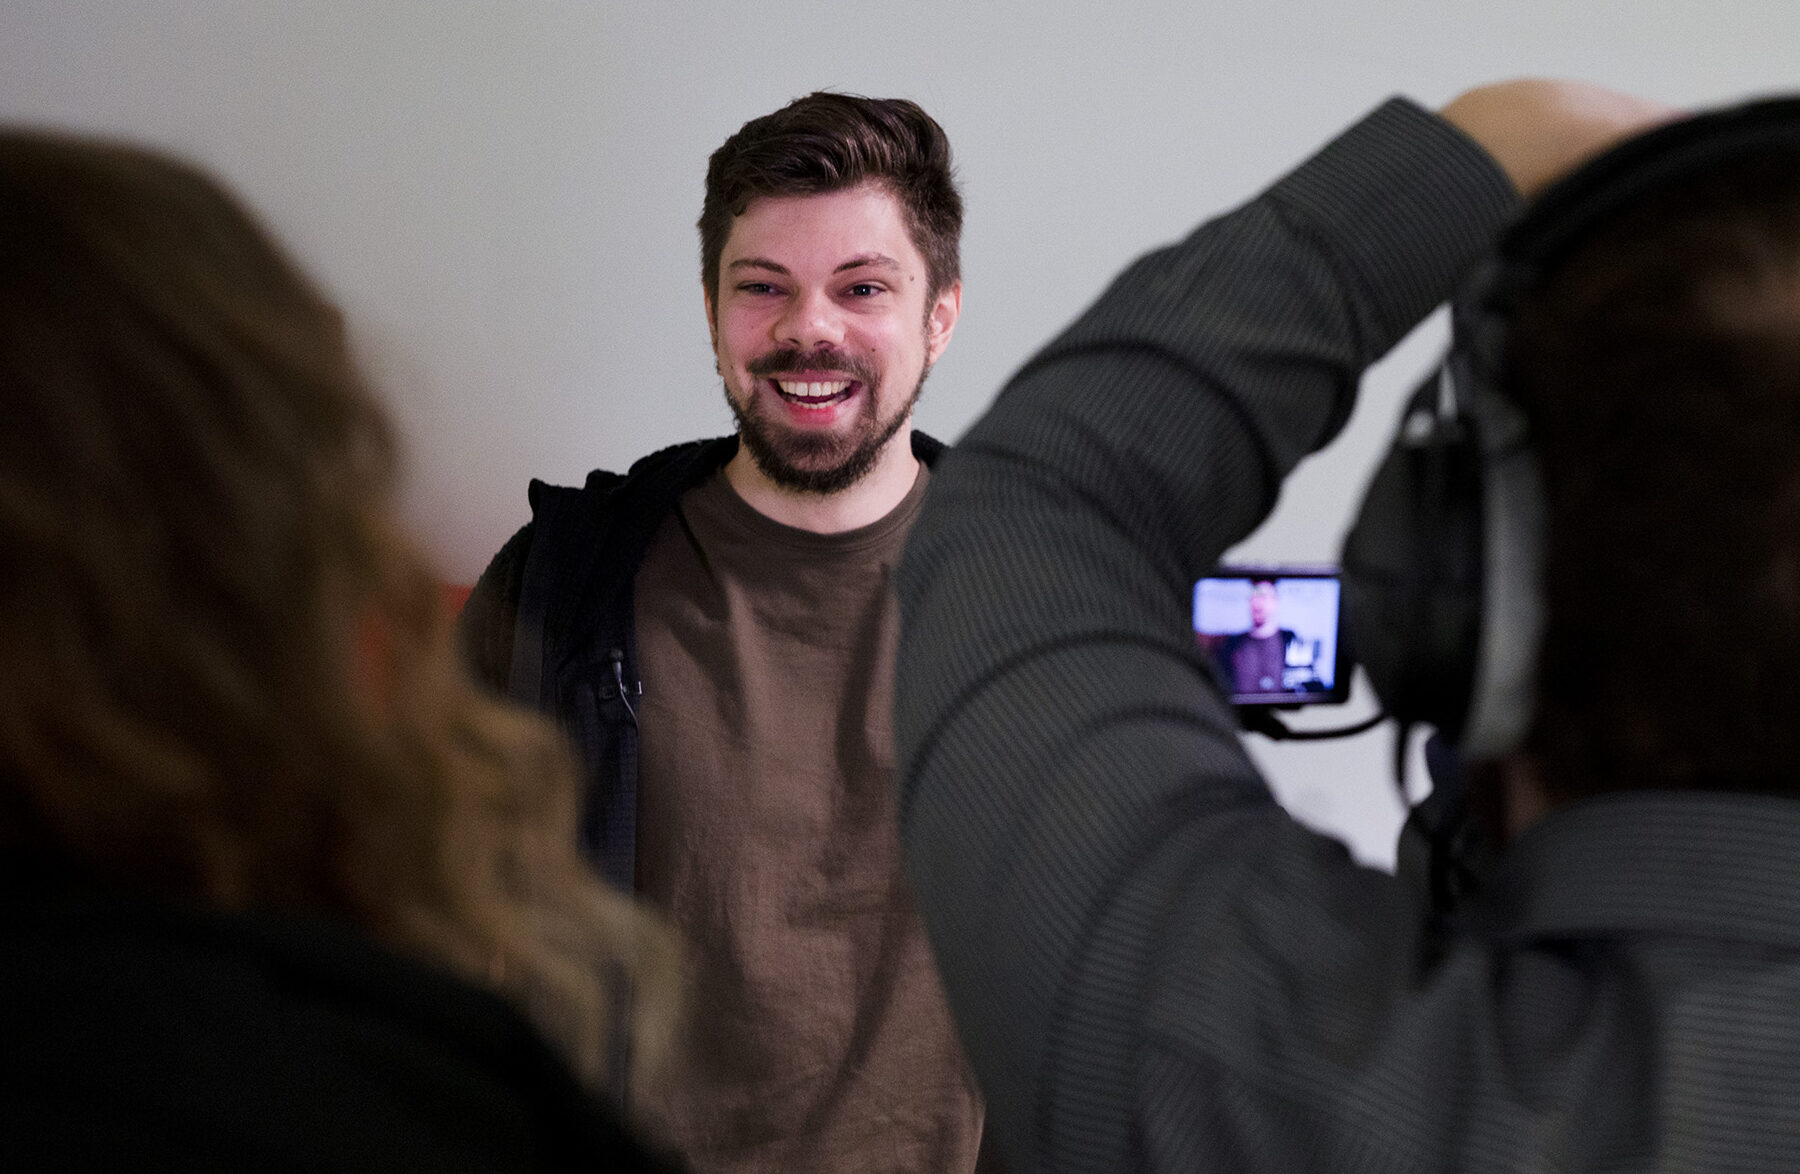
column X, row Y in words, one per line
column 940, row 321
column 712, row 318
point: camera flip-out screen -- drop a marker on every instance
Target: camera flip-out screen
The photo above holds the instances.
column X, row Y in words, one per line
column 1274, row 633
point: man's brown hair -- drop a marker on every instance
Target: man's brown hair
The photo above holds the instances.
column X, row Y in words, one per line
column 827, row 142
column 1660, row 366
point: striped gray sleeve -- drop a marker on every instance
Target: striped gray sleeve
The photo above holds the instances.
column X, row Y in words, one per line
column 1073, row 790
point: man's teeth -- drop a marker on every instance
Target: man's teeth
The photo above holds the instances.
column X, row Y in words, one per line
column 813, row 391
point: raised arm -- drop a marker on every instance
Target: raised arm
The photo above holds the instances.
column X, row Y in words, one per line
column 1128, row 925
column 1076, row 803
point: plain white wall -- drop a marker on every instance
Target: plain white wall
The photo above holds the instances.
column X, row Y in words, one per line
column 502, row 194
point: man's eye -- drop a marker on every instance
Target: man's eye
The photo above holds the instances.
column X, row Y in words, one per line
column 756, row 287
column 864, row 290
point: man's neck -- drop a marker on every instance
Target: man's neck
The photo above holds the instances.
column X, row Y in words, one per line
column 869, row 500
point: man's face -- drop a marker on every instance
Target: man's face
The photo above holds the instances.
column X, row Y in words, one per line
column 1262, row 604
column 823, row 333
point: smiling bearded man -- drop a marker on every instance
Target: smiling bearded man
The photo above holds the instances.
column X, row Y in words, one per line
column 716, row 630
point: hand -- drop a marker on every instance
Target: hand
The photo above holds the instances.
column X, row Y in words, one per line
column 1537, row 130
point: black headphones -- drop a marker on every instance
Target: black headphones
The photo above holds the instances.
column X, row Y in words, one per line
column 1442, row 568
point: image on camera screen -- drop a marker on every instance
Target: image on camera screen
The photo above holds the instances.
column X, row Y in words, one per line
column 1273, row 633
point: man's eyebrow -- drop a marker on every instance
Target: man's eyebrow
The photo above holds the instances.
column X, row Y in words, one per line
column 865, row 261
column 869, row 261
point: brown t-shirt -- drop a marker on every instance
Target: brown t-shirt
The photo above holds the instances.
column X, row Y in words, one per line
column 819, row 1039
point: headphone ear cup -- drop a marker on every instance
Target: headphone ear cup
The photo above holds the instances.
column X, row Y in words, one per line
column 1413, row 567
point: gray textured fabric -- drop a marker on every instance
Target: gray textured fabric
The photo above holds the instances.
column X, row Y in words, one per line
column 1153, row 966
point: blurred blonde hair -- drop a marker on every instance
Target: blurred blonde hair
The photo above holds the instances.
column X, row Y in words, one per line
column 229, row 677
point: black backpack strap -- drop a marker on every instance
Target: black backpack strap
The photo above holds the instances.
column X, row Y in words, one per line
column 558, row 566
column 525, row 682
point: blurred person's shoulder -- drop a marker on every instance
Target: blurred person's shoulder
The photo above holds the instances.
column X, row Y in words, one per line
column 147, row 1035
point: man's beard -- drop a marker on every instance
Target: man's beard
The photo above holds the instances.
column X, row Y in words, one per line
column 817, row 462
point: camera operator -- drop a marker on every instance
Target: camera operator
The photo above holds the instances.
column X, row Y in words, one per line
column 1153, row 966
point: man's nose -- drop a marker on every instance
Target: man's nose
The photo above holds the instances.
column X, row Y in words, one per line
column 810, row 320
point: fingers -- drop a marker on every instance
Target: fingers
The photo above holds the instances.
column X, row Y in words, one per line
column 1537, row 129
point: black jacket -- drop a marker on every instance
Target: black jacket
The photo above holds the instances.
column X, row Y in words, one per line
column 552, row 622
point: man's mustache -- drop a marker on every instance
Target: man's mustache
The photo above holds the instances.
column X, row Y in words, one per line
column 789, row 359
